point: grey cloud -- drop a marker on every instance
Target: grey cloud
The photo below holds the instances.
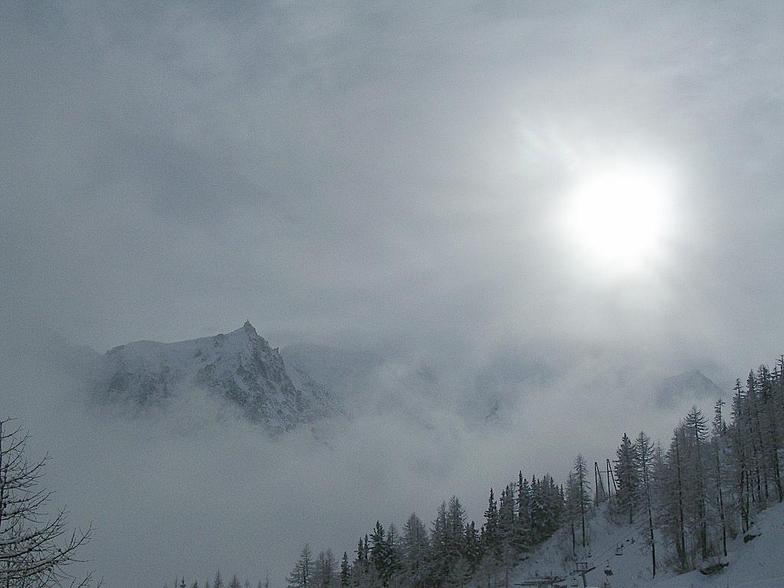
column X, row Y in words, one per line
column 380, row 177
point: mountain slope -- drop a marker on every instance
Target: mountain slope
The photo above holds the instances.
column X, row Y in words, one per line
column 621, row 550
column 692, row 386
column 239, row 368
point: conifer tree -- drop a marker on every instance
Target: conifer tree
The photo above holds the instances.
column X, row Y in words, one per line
column 522, row 534
column 380, row 554
column 755, row 430
column 301, row 575
column 572, row 509
column 324, row 570
column 394, row 552
column 345, row 571
column 439, row 548
column 491, row 544
column 506, row 526
column 581, row 478
column 769, row 429
column 643, row 450
column 681, row 531
column 697, row 428
column 506, row 516
column 718, row 433
column 453, row 557
column 455, row 527
column 415, row 547
column 628, row 479
column 741, row 453
column 473, row 546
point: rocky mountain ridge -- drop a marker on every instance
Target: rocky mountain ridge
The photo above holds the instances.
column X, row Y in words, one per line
column 239, row 368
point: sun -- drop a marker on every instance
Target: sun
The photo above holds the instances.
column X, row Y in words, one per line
column 618, row 217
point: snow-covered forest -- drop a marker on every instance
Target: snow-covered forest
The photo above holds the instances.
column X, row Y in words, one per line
column 689, row 495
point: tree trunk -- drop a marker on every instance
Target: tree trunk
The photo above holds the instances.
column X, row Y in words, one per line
column 681, row 532
column 721, row 501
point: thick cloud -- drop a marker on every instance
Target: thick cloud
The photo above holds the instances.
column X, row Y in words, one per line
column 190, row 489
column 379, row 173
column 384, row 177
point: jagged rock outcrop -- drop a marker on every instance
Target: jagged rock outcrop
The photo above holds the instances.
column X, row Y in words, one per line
column 240, row 368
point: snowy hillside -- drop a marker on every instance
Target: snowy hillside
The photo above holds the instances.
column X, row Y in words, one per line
column 239, row 368
column 621, row 559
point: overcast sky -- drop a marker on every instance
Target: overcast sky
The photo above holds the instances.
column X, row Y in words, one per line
column 380, row 174
column 386, row 176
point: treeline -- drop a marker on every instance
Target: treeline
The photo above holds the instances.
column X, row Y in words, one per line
column 452, row 551
column 712, row 479
column 688, row 498
column 218, row 582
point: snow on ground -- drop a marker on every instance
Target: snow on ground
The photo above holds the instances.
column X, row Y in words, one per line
column 758, row 563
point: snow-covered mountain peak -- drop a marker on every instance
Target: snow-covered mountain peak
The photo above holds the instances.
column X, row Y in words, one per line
column 250, row 331
column 239, row 368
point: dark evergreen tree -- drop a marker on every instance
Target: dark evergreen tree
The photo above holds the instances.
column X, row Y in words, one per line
column 415, row 546
column 522, row 530
column 454, row 560
column 380, row 555
column 741, row 451
column 717, row 442
column 491, row 523
column 572, row 509
column 697, row 428
column 581, row 478
column 439, row 548
column 473, row 547
column 394, row 553
column 628, row 479
column 345, row 571
column 680, row 538
column 644, row 454
column 491, row 544
column 301, row 575
column 324, row 572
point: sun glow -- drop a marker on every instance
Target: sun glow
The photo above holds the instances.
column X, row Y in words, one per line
column 618, row 218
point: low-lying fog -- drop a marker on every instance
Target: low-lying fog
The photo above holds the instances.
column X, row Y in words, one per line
column 189, row 489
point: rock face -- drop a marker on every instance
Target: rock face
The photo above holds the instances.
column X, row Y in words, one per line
column 240, row 368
